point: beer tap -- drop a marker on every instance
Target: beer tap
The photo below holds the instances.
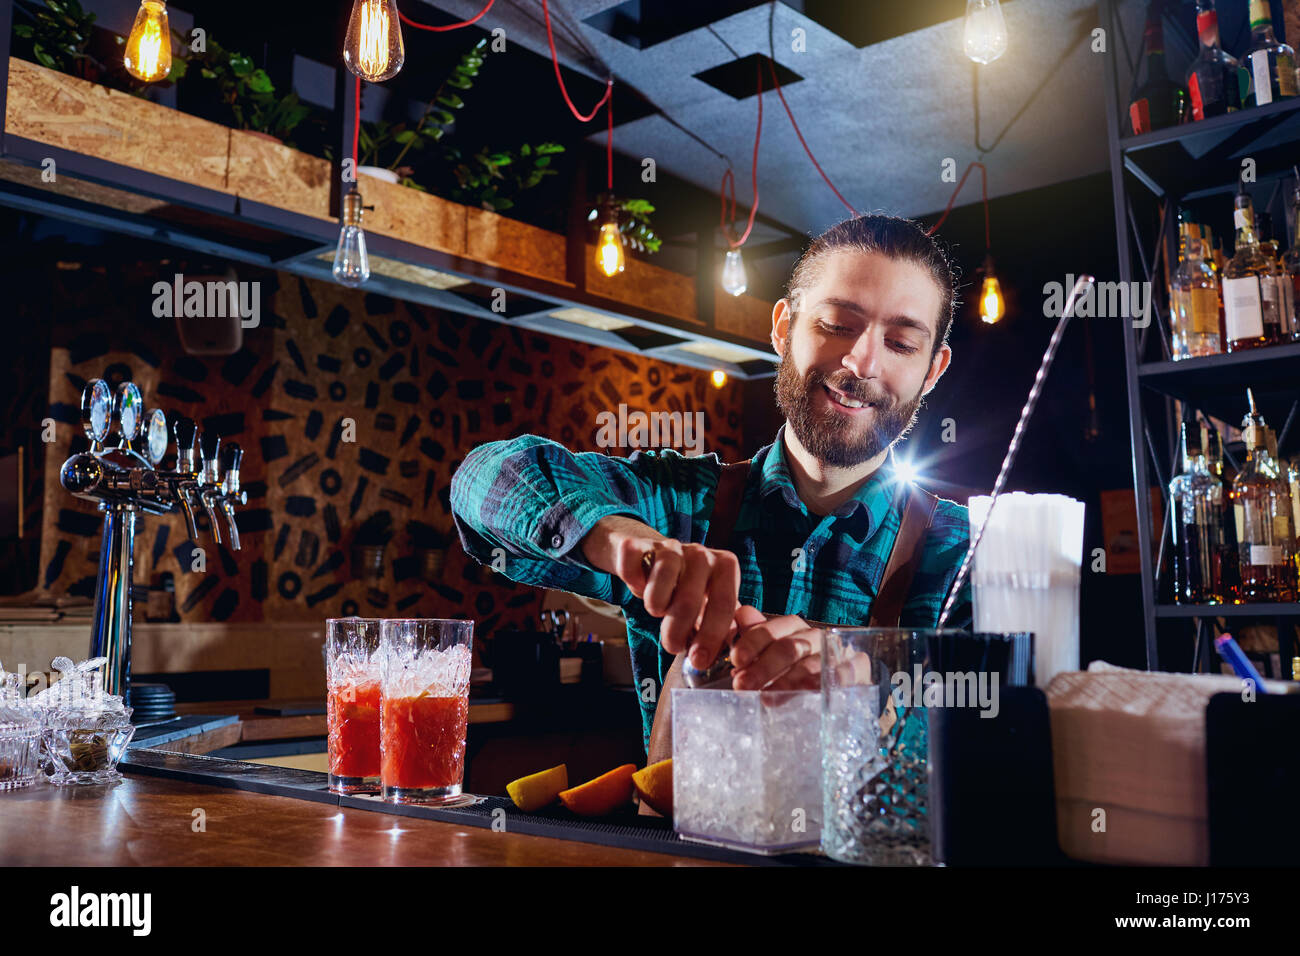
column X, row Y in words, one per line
column 210, row 479
column 231, row 456
column 126, row 479
column 183, row 483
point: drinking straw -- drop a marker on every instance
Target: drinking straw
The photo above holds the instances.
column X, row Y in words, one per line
column 1066, row 314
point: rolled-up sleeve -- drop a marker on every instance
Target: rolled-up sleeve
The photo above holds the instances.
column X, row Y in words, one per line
column 523, row 506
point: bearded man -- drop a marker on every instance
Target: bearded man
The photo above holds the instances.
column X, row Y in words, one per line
column 817, row 529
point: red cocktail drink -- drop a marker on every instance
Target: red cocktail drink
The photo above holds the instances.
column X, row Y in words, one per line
column 353, row 691
column 353, row 743
column 423, row 742
column 424, row 711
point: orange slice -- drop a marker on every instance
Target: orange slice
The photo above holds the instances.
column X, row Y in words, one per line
column 654, row 785
column 603, row 795
column 538, row 789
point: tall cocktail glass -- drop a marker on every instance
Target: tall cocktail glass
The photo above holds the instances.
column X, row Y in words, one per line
column 875, row 761
column 424, row 713
column 352, row 686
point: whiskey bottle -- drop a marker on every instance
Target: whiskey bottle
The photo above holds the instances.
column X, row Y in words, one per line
column 1262, row 514
column 1157, row 101
column 1196, row 498
column 1250, row 300
column 1291, row 264
column 1229, row 576
column 1214, row 78
column 1285, row 296
column 1271, row 64
column 1194, row 298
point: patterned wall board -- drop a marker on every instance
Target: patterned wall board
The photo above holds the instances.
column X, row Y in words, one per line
column 423, row 388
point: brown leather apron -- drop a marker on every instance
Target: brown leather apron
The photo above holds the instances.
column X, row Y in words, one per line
column 918, row 513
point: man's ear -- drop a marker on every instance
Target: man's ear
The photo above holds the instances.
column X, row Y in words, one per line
column 938, row 365
column 781, row 316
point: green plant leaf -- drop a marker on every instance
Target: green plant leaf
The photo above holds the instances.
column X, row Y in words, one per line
column 443, row 117
column 545, row 148
column 404, row 137
column 451, row 101
column 23, row 30
column 240, row 65
column 259, row 82
column 460, row 82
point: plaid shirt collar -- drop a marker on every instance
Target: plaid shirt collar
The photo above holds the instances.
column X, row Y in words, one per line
column 870, row 505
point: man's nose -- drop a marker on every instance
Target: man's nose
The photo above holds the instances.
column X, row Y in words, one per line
column 863, row 360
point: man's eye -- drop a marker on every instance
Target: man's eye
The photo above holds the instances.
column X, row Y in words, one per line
column 903, row 347
column 835, row 329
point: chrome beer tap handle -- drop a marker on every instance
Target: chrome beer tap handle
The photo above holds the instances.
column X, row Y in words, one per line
column 183, row 429
column 210, row 480
column 231, row 456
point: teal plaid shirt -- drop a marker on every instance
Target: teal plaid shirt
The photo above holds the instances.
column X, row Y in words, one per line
column 535, row 500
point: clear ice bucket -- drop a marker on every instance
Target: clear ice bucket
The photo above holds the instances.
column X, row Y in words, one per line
column 747, row 768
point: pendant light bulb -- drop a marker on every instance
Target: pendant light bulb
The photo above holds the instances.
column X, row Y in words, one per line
column 148, row 55
column 733, row 273
column 609, row 246
column 718, row 377
column 986, row 31
column 351, row 264
column 373, row 48
column 992, row 305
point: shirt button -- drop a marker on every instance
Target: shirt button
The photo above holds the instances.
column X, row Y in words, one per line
column 557, row 541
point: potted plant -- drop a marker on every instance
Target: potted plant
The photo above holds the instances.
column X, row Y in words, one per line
column 228, row 84
column 377, row 138
column 493, row 179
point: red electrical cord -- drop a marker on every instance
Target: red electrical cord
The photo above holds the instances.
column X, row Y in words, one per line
column 777, row 83
column 753, row 209
column 450, row 26
column 356, row 123
column 984, row 178
column 555, row 59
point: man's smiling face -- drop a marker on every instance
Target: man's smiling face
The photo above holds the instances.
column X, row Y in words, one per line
column 859, row 355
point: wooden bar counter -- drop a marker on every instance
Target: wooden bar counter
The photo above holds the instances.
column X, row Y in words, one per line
column 151, row 821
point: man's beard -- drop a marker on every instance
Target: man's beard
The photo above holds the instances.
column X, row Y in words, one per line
column 835, row 439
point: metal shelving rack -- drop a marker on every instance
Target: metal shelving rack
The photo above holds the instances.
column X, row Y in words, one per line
column 1196, row 164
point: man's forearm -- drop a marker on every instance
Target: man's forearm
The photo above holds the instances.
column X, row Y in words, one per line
column 600, row 545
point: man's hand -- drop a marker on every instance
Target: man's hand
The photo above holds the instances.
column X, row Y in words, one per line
column 783, row 653
column 693, row 588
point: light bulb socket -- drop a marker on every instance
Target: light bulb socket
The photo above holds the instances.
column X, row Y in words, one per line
column 352, row 208
column 986, row 269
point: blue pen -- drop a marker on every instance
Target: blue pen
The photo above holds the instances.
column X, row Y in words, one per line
column 1232, row 653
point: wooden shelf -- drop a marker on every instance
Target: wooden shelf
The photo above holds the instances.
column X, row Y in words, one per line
column 125, row 163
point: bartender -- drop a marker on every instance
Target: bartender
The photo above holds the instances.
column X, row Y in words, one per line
column 816, row 529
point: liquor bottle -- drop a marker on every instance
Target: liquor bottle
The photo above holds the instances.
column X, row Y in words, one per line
column 1291, row 264
column 1262, row 513
column 1250, row 302
column 1271, row 64
column 1220, row 260
column 1214, row 78
column 1196, row 498
column 1194, row 297
column 1157, row 101
column 1285, row 296
column 1229, row 576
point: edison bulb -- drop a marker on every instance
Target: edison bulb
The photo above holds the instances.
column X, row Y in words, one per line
column 609, row 250
column 992, row 307
column 986, row 31
column 733, row 273
column 148, row 55
column 373, row 48
column 718, row 377
column 351, row 264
